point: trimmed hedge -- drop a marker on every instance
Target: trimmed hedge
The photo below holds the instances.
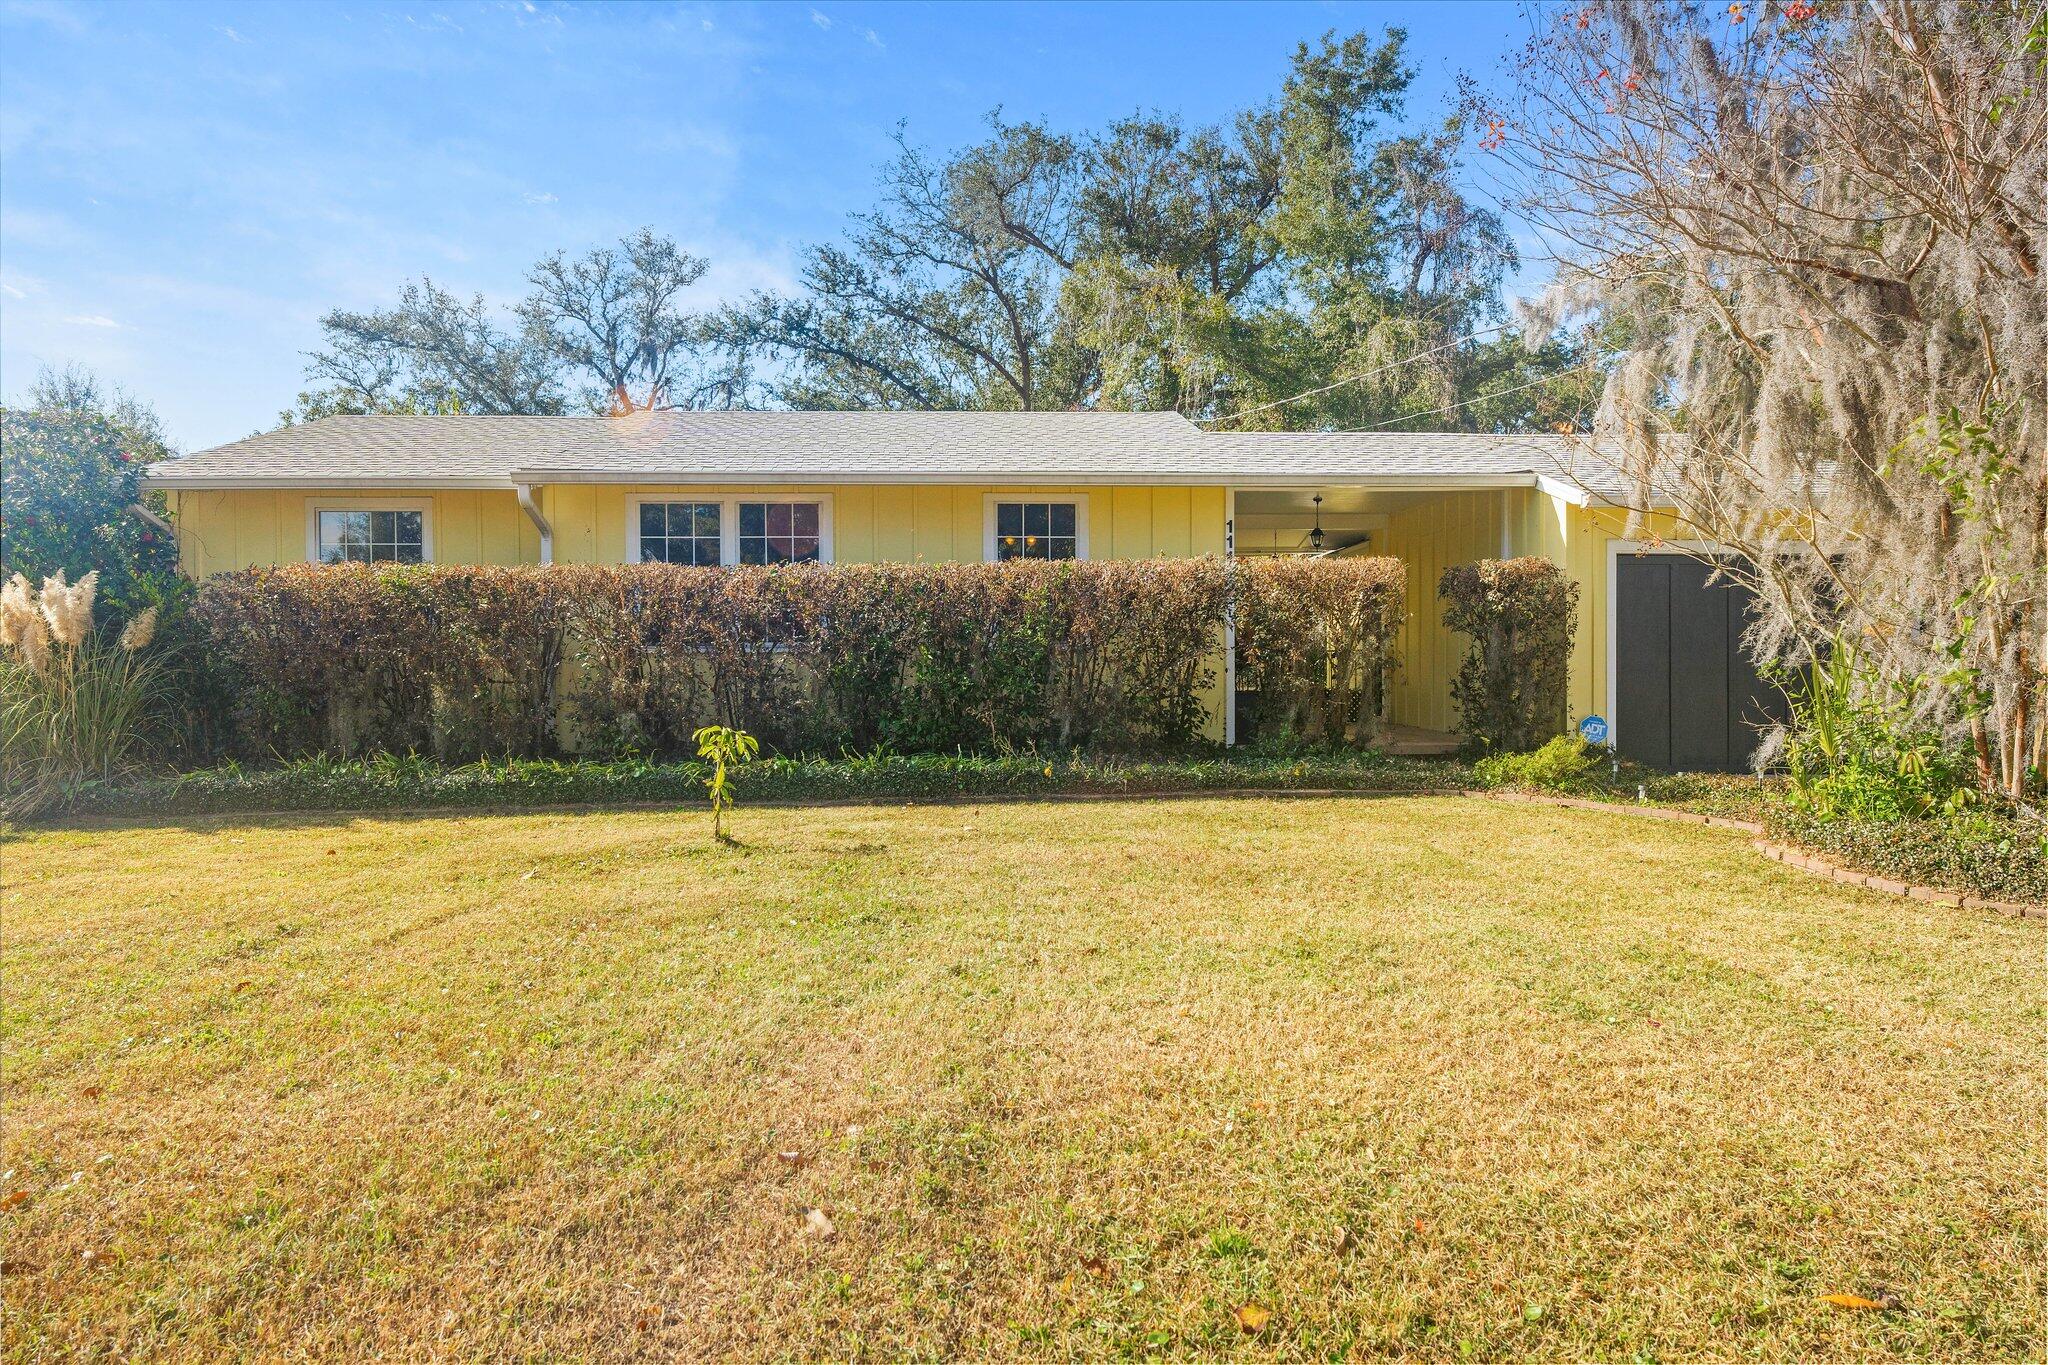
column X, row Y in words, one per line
column 1315, row 638
column 1512, row 691
column 467, row 662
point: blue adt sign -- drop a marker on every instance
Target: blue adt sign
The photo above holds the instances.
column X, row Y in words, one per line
column 1593, row 729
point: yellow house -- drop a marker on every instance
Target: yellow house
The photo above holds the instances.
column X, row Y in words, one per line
column 1655, row 658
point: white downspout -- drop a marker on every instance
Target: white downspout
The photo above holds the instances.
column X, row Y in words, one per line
column 153, row 519
column 1230, row 619
column 540, row 523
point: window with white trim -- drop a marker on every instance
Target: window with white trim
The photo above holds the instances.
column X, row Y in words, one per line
column 680, row 532
column 779, row 533
column 1036, row 530
column 362, row 535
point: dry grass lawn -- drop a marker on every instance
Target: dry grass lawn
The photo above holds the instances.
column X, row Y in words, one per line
column 1421, row 1077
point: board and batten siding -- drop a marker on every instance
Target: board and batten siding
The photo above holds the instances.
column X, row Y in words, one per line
column 242, row 528
column 219, row 531
column 1428, row 538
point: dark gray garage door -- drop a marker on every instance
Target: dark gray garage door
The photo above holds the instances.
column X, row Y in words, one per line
column 1686, row 696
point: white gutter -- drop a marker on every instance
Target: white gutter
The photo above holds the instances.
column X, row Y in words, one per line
column 1392, row 483
column 540, row 523
column 812, row 478
column 201, row 483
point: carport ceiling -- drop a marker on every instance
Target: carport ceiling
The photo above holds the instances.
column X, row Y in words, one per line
column 1297, row 504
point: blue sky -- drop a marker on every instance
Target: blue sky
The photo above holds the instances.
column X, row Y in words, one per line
column 185, row 189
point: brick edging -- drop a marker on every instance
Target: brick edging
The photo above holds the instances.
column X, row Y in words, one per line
column 1786, row 853
column 1827, row 867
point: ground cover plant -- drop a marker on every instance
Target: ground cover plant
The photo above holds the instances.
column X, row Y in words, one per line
column 389, row 782
column 1393, row 1077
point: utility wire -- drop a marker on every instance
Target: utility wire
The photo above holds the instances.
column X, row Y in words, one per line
column 1481, row 398
column 1367, row 374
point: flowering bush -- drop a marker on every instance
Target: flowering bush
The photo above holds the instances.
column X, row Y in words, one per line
column 1512, row 689
column 73, row 708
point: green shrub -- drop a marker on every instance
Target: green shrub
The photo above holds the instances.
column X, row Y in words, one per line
column 1522, row 614
column 70, row 482
column 1564, row 764
column 1993, row 851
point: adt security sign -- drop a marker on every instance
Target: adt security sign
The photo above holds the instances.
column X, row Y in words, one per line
column 1593, row 729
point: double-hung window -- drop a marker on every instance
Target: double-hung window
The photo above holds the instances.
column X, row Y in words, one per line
column 1033, row 528
column 732, row 530
column 778, row 533
column 680, row 532
column 369, row 535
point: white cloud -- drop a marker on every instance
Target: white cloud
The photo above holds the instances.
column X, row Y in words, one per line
column 708, row 25
column 10, row 291
column 63, row 18
column 538, row 197
column 820, row 20
column 92, row 320
column 229, row 34
column 875, row 39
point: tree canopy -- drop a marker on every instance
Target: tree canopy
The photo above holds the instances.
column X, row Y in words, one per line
column 1153, row 264
column 71, row 481
column 1815, row 231
column 1308, row 243
column 607, row 330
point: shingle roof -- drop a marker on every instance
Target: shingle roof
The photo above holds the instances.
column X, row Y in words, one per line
column 782, row 447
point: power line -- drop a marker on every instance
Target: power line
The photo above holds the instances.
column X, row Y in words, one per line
column 1481, row 398
column 1367, row 374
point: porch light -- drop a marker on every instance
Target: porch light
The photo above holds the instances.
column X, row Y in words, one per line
column 1315, row 537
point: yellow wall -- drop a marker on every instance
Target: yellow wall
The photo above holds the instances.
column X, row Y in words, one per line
column 233, row 530
column 220, row 531
column 1460, row 527
column 1429, row 537
column 896, row 523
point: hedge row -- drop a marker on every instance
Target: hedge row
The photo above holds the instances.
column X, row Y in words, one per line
column 466, row 662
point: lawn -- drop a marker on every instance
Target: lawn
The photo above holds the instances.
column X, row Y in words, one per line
column 1418, row 1077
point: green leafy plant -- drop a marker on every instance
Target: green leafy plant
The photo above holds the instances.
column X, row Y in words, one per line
column 72, row 484
column 1854, row 750
column 724, row 749
column 464, row 662
column 1564, row 764
column 1315, row 640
